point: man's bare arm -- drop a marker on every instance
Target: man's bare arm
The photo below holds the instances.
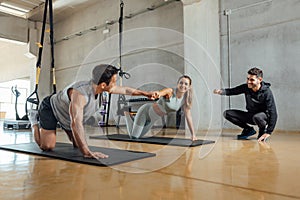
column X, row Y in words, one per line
column 132, row 91
column 77, row 104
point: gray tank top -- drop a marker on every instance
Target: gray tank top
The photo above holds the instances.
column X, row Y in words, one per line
column 60, row 103
column 171, row 105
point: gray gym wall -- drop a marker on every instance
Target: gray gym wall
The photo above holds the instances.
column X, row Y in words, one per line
column 152, row 44
column 76, row 53
column 154, row 47
column 16, row 29
column 202, row 56
column 15, row 64
column 266, row 35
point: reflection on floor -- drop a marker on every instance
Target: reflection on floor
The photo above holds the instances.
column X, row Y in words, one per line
column 228, row 169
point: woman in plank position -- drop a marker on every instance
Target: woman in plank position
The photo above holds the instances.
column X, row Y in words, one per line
column 171, row 100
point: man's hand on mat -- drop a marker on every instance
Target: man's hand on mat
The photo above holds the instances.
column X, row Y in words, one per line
column 96, row 155
column 264, row 137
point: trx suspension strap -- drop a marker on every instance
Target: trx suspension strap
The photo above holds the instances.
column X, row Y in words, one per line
column 121, row 73
column 52, row 46
column 33, row 97
column 120, row 36
column 121, row 99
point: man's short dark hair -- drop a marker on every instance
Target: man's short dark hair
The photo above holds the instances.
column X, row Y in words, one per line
column 256, row 71
column 103, row 73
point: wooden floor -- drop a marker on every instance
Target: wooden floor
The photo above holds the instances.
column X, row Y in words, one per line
column 229, row 169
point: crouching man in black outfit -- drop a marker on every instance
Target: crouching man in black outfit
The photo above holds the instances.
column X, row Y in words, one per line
column 260, row 105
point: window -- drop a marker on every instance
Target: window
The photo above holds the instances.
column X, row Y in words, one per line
column 8, row 91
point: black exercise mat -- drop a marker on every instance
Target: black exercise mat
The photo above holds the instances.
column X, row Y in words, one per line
column 66, row 151
column 154, row 140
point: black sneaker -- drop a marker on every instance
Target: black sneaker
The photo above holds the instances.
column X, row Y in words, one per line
column 247, row 132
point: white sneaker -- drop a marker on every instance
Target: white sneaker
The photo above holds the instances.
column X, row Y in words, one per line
column 33, row 117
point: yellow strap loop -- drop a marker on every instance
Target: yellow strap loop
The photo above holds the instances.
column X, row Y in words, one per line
column 38, row 71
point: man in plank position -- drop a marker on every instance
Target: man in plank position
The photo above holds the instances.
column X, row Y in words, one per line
column 73, row 106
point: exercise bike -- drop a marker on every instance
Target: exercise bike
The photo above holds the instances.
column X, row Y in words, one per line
column 16, row 93
column 19, row 123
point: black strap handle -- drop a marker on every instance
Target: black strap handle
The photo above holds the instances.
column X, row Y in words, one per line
column 52, row 45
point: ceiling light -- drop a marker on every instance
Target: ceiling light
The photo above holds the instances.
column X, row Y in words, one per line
column 12, row 41
column 13, row 10
column 14, row 7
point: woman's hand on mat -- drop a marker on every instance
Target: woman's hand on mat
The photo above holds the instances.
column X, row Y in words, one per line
column 194, row 138
column 96, row 155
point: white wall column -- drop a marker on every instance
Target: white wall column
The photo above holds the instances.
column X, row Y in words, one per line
column 202, row 60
